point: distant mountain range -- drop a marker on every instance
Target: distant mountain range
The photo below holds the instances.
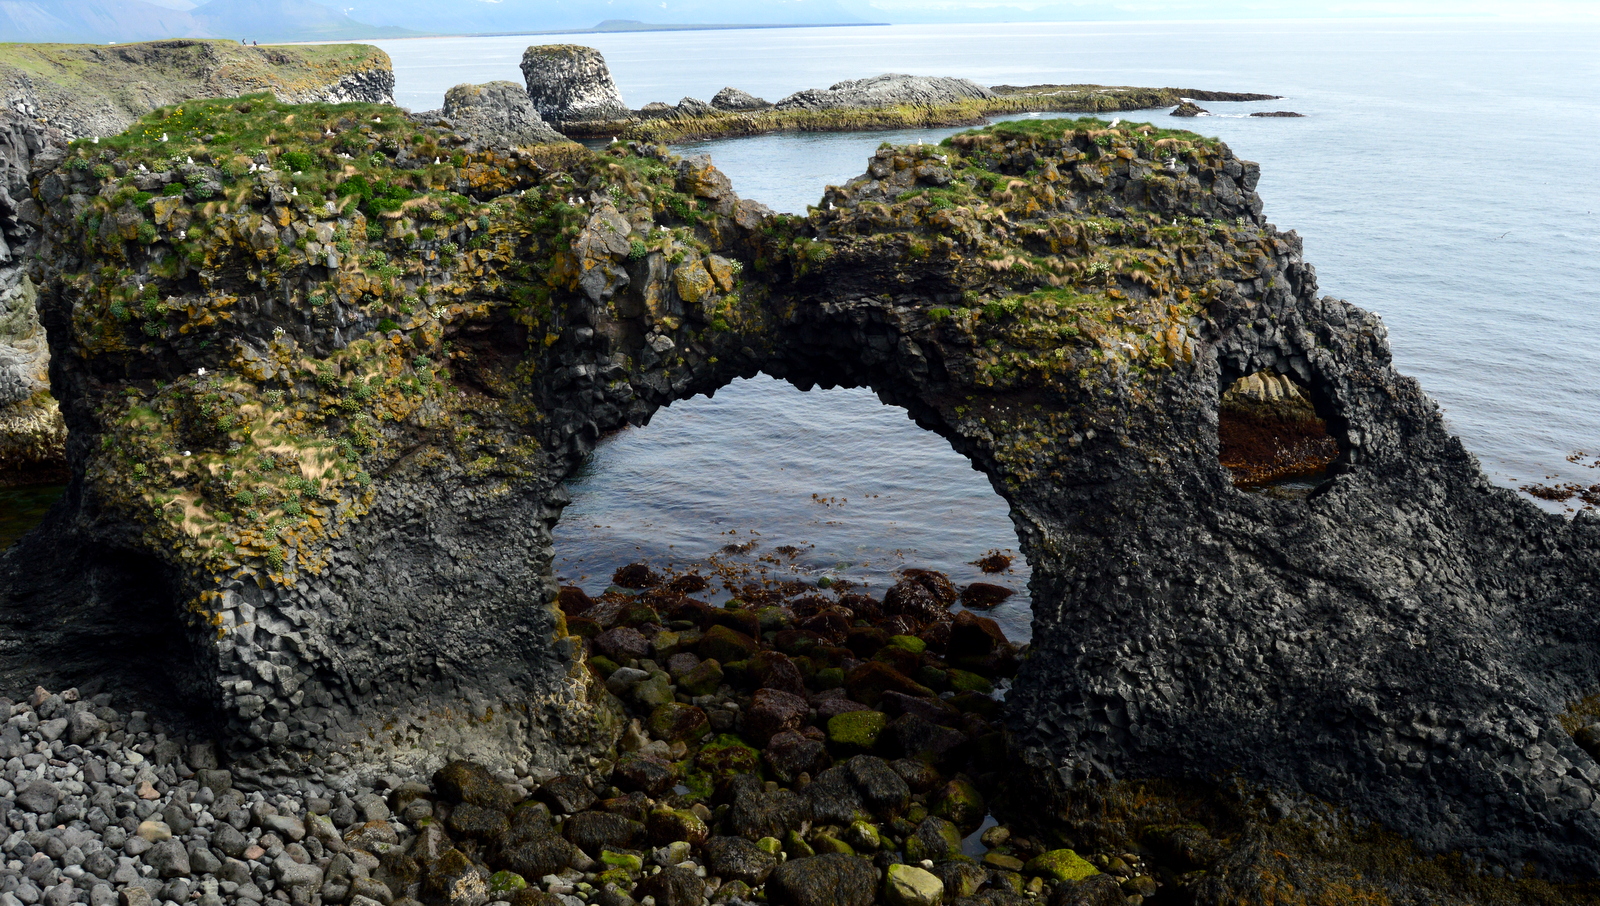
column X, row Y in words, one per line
column 100, row 21
column 103, row 21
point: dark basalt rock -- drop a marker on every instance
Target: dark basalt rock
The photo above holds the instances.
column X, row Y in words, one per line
column 570, row 85
column 738, row 859
column 1278, row 113
column 1188, row 108
column 828, row 880
column 1403, row 642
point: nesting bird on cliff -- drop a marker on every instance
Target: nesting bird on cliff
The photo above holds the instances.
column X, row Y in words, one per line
column 1116, row 122
column 163, row 136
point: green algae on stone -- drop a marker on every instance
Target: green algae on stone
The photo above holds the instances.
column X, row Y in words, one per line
column 908, row 885
column 506, row 881
column 857, row 730
column 967, row 681
column 1060, row 865
column 960, row 803
column 910, row 643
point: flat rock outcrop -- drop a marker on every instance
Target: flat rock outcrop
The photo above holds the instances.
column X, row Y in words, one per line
column 497, row 112
column 887, row 90
column 325, row 470
column 570, row 84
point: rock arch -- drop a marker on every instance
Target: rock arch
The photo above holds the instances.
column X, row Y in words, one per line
column 362, row 551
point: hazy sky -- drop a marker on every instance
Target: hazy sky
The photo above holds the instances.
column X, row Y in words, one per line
column 1273, row 9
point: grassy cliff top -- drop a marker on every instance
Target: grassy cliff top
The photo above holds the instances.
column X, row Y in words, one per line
column 92, row 89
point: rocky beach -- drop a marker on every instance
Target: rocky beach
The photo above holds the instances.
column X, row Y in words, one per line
column 323, row 365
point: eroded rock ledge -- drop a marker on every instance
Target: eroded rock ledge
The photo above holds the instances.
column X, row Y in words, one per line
column 321, row 406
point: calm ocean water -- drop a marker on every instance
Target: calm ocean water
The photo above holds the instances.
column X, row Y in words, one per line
column 1443, row 176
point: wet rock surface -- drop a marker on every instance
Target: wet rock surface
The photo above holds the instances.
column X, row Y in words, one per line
column 1065, row 302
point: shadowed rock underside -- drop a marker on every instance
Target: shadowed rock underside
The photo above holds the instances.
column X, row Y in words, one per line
column 348, row 510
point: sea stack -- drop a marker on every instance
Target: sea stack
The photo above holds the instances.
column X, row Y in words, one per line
column 571, row 84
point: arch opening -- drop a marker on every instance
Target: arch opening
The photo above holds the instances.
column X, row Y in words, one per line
column 766, row 490
column 1272, row 437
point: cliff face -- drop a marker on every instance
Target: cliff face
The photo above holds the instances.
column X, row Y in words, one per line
column 322, row 403
column 89, row 89
column 31, row 431
column 57, row 92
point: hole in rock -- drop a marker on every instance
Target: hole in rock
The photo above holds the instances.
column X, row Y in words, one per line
column 768, row 493
column 1270, row 436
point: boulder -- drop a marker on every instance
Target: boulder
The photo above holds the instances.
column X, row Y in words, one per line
column 907, row 885
column 738, row 859
column 497, row 113
column 828, row 880
column 673, row 886
column 1060, row 865
column 732, row 99
column 771, row 712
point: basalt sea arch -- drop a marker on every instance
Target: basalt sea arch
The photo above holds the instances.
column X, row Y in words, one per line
column 343, row 461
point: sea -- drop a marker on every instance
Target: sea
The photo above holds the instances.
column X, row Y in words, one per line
column 1445, row 174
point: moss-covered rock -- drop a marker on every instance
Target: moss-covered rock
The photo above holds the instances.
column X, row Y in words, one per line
column 1060, row 865
column 960, row 803
column 674, row 722
column 856, row 730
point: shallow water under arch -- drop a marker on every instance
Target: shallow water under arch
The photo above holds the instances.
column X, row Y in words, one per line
column 852, row 496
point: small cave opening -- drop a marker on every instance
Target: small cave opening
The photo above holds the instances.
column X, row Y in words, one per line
column 765, row 494
column 1271, row 438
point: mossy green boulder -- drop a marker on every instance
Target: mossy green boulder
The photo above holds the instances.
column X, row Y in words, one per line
column 908, row 885
column 703, row 679
column 960, row 803
column 967, row 681
column 674, row 721
column 726, row 756
column 1060, row 865
column 935, row 839
column 909, row 642
column 506, row 881
column 630, row 864
column 854, row 730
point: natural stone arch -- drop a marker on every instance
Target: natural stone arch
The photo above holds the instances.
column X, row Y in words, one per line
column 1061, row 302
